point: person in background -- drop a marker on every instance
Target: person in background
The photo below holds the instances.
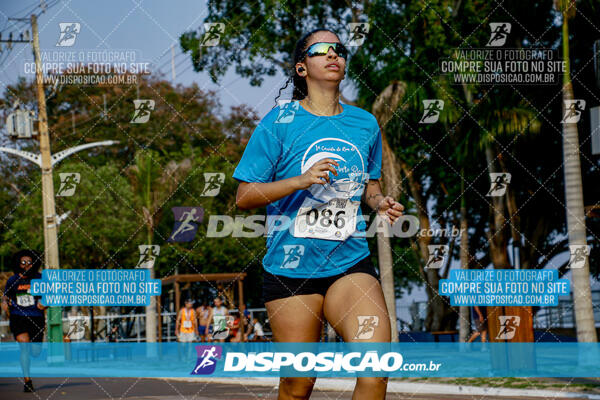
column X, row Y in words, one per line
column 26, row 313
column 203, row 313
column 256, row 333
column 186, row 327
column 244, row 311
column 235, row 332
column 247, row 320
column 218, row 315
column 479, row 314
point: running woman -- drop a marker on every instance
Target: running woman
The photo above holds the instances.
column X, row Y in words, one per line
column 311, row 161
column 26, row 313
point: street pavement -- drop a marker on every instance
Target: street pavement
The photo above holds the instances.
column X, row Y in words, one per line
column 167, row 389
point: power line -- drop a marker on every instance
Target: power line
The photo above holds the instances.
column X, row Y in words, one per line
column 21, row 24
column 167, row 62
column 26, row 13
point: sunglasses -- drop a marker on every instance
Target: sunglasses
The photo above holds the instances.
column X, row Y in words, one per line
column 322, row 48
column 23, row 262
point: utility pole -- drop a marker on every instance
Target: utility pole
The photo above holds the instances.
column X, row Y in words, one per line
column 55, row 329
column 50, row 228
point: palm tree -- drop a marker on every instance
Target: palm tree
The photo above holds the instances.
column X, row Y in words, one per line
column 154, row 185
column 384, row 108
column 584, row 314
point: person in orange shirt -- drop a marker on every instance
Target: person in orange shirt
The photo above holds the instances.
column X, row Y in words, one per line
column 186, row 326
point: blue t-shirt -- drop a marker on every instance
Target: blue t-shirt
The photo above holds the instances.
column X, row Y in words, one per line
column 18, row 291
column 285, row 144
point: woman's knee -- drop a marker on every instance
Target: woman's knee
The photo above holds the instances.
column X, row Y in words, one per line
column 373, row 383
column 296, row 388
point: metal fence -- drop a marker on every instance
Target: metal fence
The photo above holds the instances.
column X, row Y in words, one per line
column 563, row 315
column 126, row 327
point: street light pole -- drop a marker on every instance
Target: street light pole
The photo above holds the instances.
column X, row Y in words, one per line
column 55, row 330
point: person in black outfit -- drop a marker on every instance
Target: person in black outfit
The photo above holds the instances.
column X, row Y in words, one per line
column 26, row 313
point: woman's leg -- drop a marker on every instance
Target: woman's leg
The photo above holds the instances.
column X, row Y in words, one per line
column 296, row 319
column 25, row 347
column 473, row 336
column 353, row 295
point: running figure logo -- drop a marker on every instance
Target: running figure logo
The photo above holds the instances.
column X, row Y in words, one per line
column 292, row 254
column 500, row 31
column 212, row 34
column 186, row 223
column 68, row 33
column 207, row 359
column 357, row 33
column 212, row 183
column 437, row 256
column 287, row 111
column 579, row 255
column 141, row 115
column 68, row 183
column 366, row 326
column 508, row 326
column 499, row 183
column 432, row 111
column 148, row 254
column 573, row 110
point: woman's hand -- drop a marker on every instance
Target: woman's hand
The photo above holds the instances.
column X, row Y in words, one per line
column 389, row 209
column 318, row 173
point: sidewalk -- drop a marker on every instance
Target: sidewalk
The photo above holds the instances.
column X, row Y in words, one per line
column 417, row 388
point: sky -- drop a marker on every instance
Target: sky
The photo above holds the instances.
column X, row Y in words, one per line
column 150, row 27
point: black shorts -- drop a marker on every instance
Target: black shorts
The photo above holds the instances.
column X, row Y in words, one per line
column 32, row 325
column 279, row 287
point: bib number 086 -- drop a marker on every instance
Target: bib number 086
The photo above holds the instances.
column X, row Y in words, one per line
column 325, row 219
column 334, row 220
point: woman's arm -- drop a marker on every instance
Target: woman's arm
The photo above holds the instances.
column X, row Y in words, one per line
column 257, row 194
column 5, row 305
column 478, row 311
column 177, row 322
column 385, row 206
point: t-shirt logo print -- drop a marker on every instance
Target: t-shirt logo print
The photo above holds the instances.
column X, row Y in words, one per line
column 351, row 169
column 328, row 211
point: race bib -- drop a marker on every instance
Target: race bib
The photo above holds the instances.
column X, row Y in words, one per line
column 334, row 220
column 25, row 300
column 187, row 324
